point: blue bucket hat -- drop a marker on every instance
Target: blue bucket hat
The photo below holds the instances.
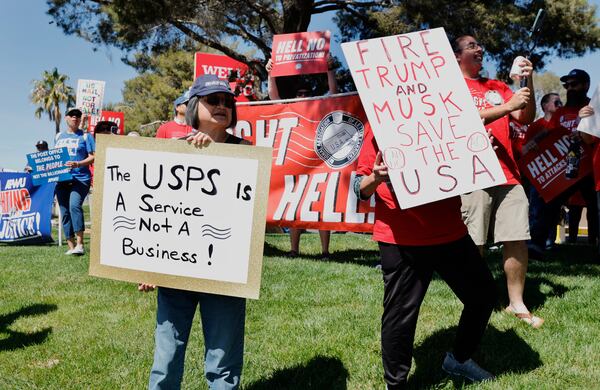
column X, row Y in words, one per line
column 207, row 84
column 182, row 99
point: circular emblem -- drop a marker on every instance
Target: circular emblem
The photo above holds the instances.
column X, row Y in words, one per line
column 339, row 139
column 494, row 98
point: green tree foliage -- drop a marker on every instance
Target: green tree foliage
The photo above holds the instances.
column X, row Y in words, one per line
column 545, row 83
column 49, row 93
column 570, row 27
column 149, row 96
column 237, row 28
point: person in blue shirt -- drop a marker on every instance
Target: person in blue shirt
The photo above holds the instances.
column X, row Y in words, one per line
column 70, row 194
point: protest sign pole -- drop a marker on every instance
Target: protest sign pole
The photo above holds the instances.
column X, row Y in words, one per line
column 59, row 224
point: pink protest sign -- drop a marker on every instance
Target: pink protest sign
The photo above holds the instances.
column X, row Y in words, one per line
column 300, row 53
column 422, row 116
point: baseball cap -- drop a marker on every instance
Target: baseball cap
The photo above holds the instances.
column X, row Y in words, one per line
column 182, row 99
column 73, row 111
column 576, row 74
column 207, row 84
column 41, row 143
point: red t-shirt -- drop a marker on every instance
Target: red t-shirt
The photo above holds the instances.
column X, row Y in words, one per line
column 536, row 128
column 173, row 130
column 517, row 137
column 487, row 94
column 567, row 117
column 429, row 224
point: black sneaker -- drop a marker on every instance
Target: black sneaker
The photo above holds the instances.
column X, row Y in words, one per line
column 469, row 369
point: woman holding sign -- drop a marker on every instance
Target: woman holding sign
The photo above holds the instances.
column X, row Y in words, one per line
column 70, row 194
column 210, row 111
column 413, row 244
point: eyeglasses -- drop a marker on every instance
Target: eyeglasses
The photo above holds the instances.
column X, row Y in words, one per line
column 571, row 84
column 558, row 103
column 77, row 116
column 219, row 100
column 472, row 46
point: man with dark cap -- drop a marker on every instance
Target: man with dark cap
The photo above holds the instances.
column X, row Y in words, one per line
column 577, row 84
column 177, row 127
column 41, row 146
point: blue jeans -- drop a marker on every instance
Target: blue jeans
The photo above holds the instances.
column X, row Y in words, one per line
column 223, row 320
column 70, row 196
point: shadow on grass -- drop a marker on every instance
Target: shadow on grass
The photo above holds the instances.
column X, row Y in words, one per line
column 537, row 290
column 501, row 352
column 18, row 340
column 321, row 372
column 366, row 257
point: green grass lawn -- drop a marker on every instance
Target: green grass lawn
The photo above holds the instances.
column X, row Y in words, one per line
column 315, row 326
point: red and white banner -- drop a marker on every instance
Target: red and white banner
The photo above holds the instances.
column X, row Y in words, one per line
column 545, row 166
column 217, row 64
column 222, row 66
column 316, row 144
column 113, row 116
column 300, row 53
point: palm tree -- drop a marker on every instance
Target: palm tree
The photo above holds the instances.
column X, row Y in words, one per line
column 49, row 92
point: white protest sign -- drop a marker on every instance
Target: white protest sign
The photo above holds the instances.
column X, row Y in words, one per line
column 591, row 124
column 180, row 217
column 90, row 94
column 422, row 116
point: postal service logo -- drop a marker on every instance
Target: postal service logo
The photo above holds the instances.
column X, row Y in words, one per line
column 494, row 98
column 339, row 139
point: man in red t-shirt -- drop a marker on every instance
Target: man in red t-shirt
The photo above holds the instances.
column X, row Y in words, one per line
column 577, row 84
column 502, row 210
column 413, row 243
column 177, row 127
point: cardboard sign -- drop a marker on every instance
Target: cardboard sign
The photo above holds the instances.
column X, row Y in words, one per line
column 90, row 94
column 113, row 116
column 25, row 209
column 49, row 166
column 422, row 116
column 591, row 124
column 300, row 53
column 315, row 144
column 169, row 214
column 545, row 166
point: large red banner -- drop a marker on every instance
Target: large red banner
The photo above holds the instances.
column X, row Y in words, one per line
column 545, row 166
column 113, row 116
column 300, row 53
column 316, row 144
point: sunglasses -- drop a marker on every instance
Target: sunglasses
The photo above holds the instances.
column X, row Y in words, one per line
column 558, row 103
column 570, row 84
column 219, row 100
column 75, row 116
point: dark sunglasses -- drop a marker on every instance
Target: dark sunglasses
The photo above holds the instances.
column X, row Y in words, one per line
column 75, row 116
column 558, row 103
column 569, row 84
column 219, row 100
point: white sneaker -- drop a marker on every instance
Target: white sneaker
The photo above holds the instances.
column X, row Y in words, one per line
column 69, row 252
column 78, row 250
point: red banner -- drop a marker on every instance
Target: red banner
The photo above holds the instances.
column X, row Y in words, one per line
column 316, row 144
column 222, row 66
column 113, row 116
column 545, row 166
column 300, row 53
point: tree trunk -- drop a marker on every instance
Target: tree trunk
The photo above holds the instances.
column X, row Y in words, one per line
column 296, row 15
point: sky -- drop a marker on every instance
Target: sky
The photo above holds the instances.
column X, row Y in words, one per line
column 30, row 44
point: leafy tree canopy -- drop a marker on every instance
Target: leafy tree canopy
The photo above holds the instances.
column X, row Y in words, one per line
column 570, row 27
column 154, row 26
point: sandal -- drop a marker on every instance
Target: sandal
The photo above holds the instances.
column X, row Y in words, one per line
column 534, row 321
